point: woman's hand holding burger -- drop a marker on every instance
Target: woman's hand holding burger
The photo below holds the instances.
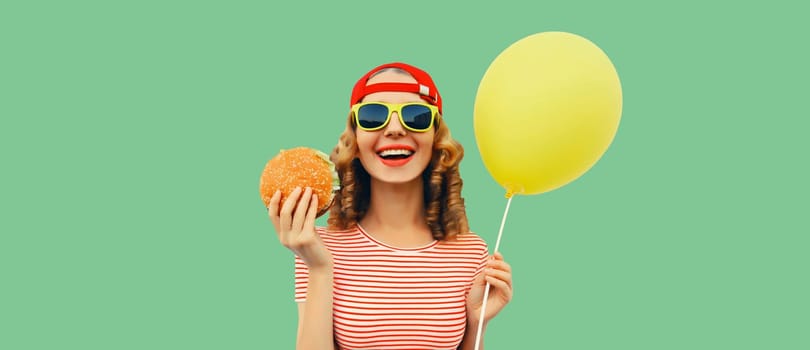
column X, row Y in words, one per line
column 295, row 224
column 298, row 186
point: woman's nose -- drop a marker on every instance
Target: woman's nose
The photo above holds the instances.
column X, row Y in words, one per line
column 394, row 126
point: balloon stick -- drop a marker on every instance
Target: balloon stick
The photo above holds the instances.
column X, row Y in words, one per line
column 486, row 289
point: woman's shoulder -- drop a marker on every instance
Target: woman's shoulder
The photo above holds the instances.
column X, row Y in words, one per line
column 468, row 239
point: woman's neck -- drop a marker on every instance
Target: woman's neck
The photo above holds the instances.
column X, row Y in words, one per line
column 396, row 214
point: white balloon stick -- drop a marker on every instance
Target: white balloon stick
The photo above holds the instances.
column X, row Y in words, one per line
column 486, row 289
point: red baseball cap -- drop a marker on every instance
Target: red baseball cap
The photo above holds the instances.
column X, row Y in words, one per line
column 424, row 85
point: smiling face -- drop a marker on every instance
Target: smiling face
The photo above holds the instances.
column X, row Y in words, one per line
column 394, row 154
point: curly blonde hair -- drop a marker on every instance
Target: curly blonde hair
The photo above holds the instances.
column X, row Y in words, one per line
column 444, row 207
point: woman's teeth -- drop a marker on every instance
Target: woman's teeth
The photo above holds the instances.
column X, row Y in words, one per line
column 395, row 153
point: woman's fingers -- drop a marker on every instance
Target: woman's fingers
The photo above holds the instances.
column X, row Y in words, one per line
column 498, row 256
column 496, row 282
column 299, row 215
column 500, row 286
column 285, row 215
column 312, row 212
column 272, row 209
column 504, row 276
column 499, row 275
column 499, row 264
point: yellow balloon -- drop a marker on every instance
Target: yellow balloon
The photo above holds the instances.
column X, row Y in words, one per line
column 546, row 110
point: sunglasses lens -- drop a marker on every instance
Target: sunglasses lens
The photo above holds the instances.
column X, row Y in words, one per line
column 417, row 117
column 372, row 116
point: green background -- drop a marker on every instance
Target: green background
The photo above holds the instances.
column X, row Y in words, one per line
column 133, row 136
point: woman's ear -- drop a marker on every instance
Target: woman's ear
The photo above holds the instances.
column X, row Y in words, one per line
column 334, row 155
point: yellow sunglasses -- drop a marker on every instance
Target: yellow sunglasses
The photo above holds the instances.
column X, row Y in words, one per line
column 415, row 116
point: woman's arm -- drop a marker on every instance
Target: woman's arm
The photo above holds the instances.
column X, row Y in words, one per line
column 294, row 222
column 498, row 274
column 315, row 315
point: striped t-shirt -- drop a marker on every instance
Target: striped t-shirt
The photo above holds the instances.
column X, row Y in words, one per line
column 393, row 298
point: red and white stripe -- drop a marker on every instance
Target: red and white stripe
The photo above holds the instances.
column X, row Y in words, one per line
column 393, row 298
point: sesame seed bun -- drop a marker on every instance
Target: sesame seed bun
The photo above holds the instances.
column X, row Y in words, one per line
column 300, row 167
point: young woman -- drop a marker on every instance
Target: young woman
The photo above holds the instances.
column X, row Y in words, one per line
column 397, row 268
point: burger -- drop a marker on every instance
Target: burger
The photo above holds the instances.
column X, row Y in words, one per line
column 300, row 167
